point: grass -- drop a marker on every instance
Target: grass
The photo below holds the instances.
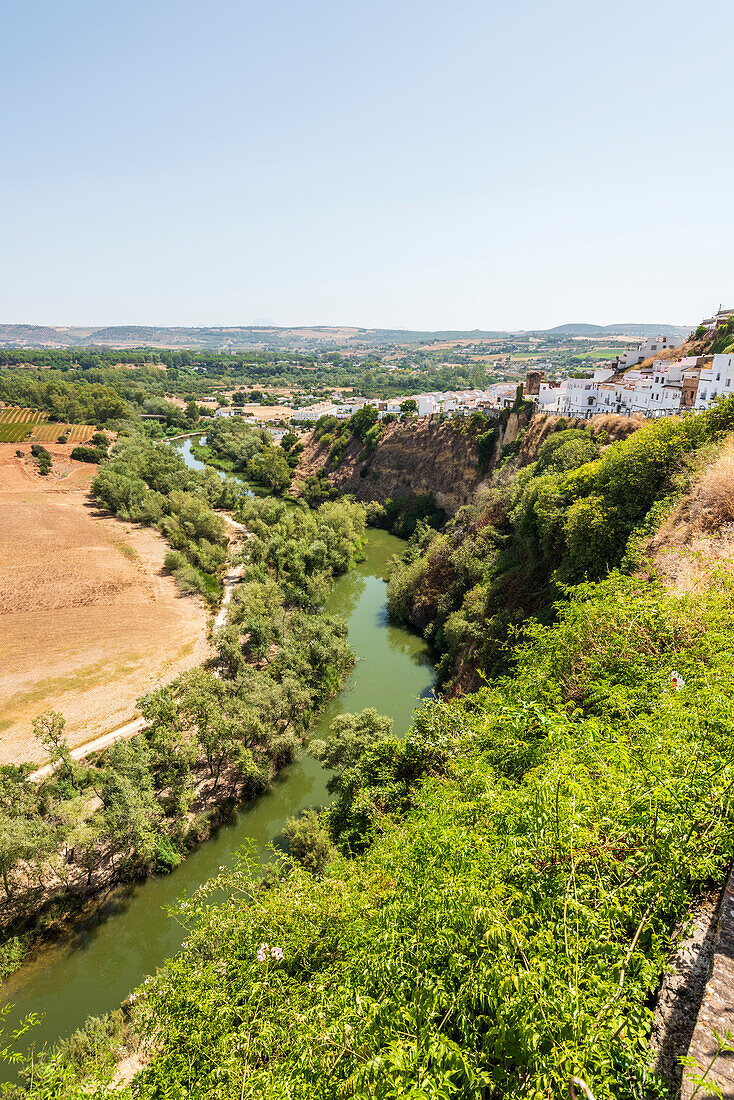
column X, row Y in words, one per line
column 126, row 551
column 714, row 500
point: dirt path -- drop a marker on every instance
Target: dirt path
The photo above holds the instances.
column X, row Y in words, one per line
column 99, row 743
column 235, row 524
column 229, row 582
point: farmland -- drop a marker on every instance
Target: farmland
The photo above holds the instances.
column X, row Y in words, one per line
column 88, row 618
column 32, row 426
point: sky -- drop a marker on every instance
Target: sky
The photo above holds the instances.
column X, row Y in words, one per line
column 423, row 164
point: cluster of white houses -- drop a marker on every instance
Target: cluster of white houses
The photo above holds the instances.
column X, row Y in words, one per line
column 452, row 403
column 639, row 384
column 665, row 388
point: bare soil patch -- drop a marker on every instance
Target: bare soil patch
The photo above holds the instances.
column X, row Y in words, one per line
column 88, row 619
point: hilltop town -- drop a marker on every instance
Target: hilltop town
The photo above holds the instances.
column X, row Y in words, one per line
column 647, row 379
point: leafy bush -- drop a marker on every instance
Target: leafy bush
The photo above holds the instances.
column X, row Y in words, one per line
column 89, row 454
column 308, row 841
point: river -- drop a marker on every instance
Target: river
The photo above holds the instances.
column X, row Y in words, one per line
column 93, row 971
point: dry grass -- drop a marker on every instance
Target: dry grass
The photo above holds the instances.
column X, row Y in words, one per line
column 698, row 538
column 713, row 503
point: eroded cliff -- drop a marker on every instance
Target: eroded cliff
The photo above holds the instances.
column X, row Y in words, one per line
column 426, row 456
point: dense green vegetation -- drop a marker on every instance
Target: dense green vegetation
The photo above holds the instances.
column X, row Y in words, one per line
column 195, row 372
column 575, row 513
column 236, row 446
column 487, row 906
column 150, row 483
column 524, row 857
column 216, row 735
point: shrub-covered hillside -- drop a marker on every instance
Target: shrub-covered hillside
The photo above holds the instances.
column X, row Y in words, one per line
column 525, row 855
column 491, row 902
column 581, row 509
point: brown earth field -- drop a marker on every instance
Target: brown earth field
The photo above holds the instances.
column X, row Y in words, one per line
column 88, row 619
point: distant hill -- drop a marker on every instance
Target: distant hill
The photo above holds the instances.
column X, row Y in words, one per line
column 301, row 338
column 626, row 329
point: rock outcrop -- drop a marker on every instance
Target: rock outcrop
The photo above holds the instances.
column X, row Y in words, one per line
column 414, row 458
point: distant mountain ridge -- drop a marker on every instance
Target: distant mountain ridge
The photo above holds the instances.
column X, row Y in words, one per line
column 627, row 329
column 242, row 338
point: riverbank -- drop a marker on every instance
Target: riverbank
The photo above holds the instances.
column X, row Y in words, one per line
column 129, row 935
column 214, row 738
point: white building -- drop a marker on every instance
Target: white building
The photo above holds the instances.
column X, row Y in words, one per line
column 717, row 380
column 718, row 319
column 582, row 394
column 313, row 412
column 632, row 357
column 551, row 396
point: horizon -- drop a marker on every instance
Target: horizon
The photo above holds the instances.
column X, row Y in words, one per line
column 339, row 325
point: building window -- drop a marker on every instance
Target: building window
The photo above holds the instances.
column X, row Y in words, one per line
column 728, row 383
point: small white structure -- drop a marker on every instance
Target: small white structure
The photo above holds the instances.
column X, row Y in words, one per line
column 717, row 380
column 226, row 412
column 632, row 357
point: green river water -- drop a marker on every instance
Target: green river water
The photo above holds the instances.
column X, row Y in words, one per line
column 93, row 971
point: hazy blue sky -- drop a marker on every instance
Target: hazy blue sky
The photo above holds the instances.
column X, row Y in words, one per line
column 423, row 164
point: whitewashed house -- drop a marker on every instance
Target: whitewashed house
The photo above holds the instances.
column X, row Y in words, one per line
column 582, row 394
column 716, row 380
column 634, row 356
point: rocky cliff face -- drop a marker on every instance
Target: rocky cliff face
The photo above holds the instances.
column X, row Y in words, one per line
column 439, row 457
column 413, row 458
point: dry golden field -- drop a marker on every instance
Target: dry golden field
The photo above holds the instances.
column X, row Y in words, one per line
column 88, row 620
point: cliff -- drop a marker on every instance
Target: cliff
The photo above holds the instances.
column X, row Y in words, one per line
column 414, row 458
column 441, row 458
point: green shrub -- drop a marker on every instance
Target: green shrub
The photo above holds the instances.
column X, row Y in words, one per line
column 308, row 841
column 88, row 454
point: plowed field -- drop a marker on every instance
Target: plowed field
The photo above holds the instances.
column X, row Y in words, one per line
column 88, row 620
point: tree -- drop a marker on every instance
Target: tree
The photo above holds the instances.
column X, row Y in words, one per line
column 360, row 422
column 48, row 728
column 192, row 411
column 349, row 737
column 270, row 468
column 308, row 841
column 21, row 839
column 409, row 407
